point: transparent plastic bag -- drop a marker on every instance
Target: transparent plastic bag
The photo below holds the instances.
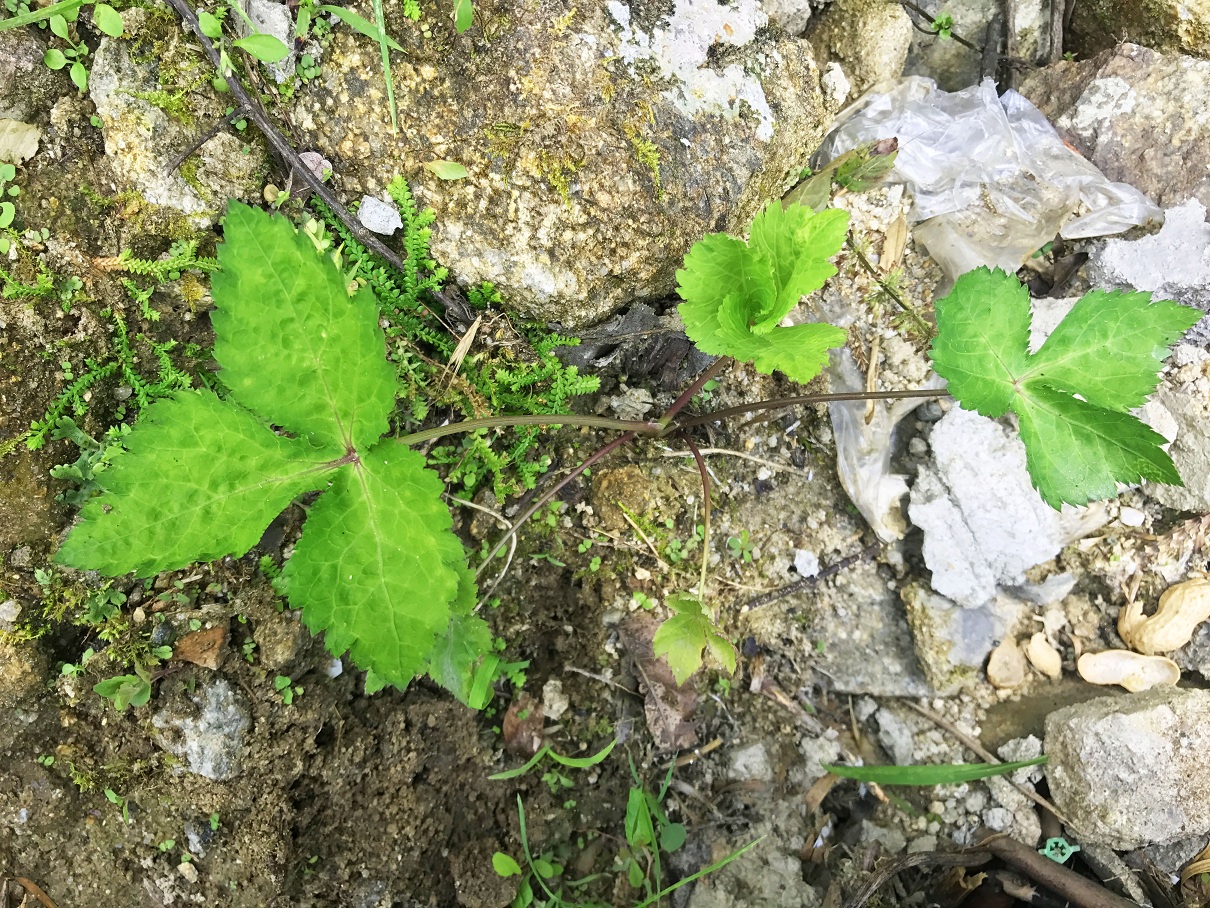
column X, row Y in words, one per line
column 991, row 180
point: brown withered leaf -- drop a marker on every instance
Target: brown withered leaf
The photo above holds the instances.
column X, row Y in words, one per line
column 204, row 648
column 667, row 706
column 1198, row 865
column 522, row 726
column 894, row 243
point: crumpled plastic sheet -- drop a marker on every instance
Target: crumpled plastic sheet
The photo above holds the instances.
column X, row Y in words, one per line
column 992, row 181
column 863, row 449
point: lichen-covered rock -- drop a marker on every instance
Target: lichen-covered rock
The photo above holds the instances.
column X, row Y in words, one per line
column 27, row 87
column 23, row 668
column 141, row 140
column 601, row 142
column 1131, row 771
column 205, row 727
column 1166, row 25
column 1142, row 117
column 868, row 38
column 955, row 66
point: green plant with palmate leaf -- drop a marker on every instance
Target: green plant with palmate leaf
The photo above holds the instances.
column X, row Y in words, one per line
column 378, row 568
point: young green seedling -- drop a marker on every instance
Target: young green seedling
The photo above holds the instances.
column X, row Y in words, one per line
column 377, row 567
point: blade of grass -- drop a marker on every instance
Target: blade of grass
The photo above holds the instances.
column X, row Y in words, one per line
column 928, row 775
column 717, row 865
column 358, row 24
column 380, row 21
column 573, row 762
column 37, row 15
column 584, row 762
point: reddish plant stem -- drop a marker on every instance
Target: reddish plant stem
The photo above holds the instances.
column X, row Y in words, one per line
column 701, row 468
column 692, row 391
column 743, row 409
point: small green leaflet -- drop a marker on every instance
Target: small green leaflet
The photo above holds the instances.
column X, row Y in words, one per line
column 944, row 774
column 125, row 690
column 504, row 865
column 736, row 293
column 857, row 170
column 1072, row 398
column 683, row 637
column 265, row 48
column 377, row 568
column 107, row 19
column 446, row 170
column 464, row 14
column 211, row 27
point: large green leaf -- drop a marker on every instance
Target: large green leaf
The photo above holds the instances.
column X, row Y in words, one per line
column 1110, row 347
column 377, row 567
column 982, row 342
column 798, row 242
column 201, row 479
column 293, row 344
column 736, row 293
column 374, row 568
column 1071, row 398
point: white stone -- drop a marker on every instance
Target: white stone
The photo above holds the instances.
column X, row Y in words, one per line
column 750, row 764
column 1132, row 771
column 379, row 217
column 1132, row 517
column 984, row 524
column 806, row 563
column 554, row 702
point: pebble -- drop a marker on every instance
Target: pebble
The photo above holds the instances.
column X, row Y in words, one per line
column 377, row 216
column 1132, row 517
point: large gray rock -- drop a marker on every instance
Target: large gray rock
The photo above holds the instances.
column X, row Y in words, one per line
column 1132, row 771
column 601, row 143
column 984, row 524
column 27, row 87
column 1141, row 117
column 1166, row 25
column 141, row 140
